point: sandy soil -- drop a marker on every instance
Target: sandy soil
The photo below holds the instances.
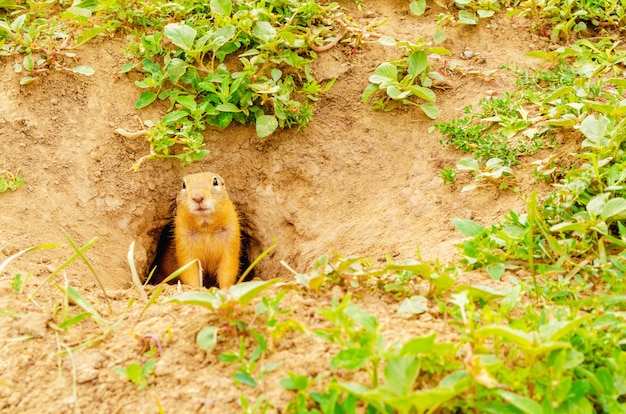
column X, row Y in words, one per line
column 355, row 181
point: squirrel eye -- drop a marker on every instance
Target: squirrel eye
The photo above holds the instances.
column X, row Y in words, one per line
column 184, row 184
column 215, row 181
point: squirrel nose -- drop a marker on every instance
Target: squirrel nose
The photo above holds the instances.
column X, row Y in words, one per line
column 198, row 198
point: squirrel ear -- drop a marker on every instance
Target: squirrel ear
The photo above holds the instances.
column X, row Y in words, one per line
column 184, row 184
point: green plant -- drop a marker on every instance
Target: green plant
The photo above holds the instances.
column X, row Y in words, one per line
column 472, row 10
column 45, row 39
column 448, row 175
column 20, row 283
column 357, row 332
column 541, row 359
column 223, row 302
column 501, row 130
column 10, row 181
column 72, row 295
column 406, row 79
column 563, row 19
column 234, row 61
column 251, row 370
column 494, row 172
column 398, row 279
column 138, row 374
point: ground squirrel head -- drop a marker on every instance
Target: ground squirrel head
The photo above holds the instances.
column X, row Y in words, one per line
column 202, row 193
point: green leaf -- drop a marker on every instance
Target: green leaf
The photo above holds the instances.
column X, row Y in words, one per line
column 18, row 23
column 414, row 305
column 468, row 227
column 245, row 379
column 89, row 34
column 145, row 99
column 525, row 404
column 483, row 293
column 132, row 372
column 418, row 61
column 8, row 260
column 223, row 7
column 187, row 101
column 79, row 300
column 207, row 338
column 485, row 13
column 430, row 110
column 76, row 12
column 246, row 291
column 228, row 357
column 395, row 93
column 439, row 36
column 313, row 282
column 519, row 337
column 4, row 27
column 72, row 321
column 28, row 63
column 266, row 125
column 84, row 70
column 181, row 35
column 223, row 35
column 228, row 107
column 467, row 164
column 570, row 226
column 468, row 18
column 496, row 271
column 418, row 345
column 127, row 67
column 350, row 358
column 264, row 30
column 614, row 207
column 387, row 41
column 369, row 91
column 596, row 204
column 606, row 380
column 423, row 93
column 295, row 382
column 595, row 128
column 148, row 367
column 418, row 7
column 385, row 72
column 366, row 320
column 176, row 68
column 174, row 116
column 539, row 54
column 401, row 373
column 422, row 401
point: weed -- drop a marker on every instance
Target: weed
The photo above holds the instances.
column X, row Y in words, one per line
column 20, row 283
column 497, row 132
column 46, row 40
column 494, row 172
column 397, row 279
column 251, row 370
column 448, row 175
column 192, row 65
column 563, row 19
column 139, row 374
column 10, row 181
column 406, row 79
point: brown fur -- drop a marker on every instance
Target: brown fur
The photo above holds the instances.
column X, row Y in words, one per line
column 206, row 228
